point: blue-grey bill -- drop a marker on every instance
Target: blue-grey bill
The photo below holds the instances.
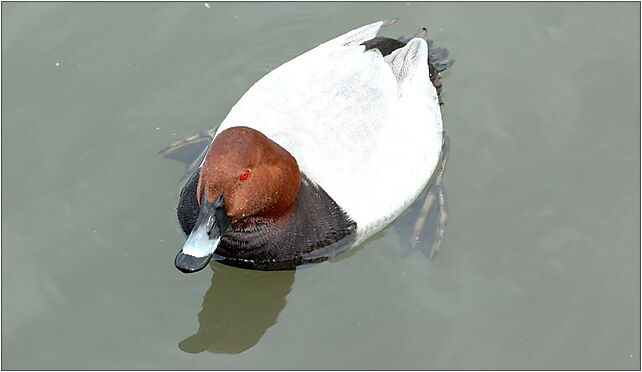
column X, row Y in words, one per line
column 197, row 251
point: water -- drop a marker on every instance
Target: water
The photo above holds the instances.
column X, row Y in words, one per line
column 540, row 265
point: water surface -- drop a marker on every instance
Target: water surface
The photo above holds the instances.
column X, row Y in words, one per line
column 540, row 266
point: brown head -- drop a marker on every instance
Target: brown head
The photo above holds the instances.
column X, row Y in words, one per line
column 257, row 177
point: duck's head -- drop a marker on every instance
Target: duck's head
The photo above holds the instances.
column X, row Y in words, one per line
column 245, row 175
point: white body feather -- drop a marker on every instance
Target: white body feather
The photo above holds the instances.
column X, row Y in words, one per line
column 367, row 129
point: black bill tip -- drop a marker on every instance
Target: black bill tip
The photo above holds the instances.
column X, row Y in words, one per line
column 190, row 264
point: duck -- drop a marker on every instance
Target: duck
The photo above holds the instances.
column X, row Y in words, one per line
column 318, row 155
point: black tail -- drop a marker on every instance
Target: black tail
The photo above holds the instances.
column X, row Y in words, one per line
column 437, row 56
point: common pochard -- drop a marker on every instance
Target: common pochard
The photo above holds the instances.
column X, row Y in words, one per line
column 318, row 155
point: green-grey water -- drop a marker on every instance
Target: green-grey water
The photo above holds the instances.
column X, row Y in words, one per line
column 540, row 266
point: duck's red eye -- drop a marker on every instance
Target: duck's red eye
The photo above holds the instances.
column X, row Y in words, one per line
column 245, row 174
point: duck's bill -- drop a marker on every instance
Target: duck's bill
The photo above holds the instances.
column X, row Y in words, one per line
column 197, row 251
column 204, row 238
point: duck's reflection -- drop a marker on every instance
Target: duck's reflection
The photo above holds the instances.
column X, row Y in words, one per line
column 238, row 308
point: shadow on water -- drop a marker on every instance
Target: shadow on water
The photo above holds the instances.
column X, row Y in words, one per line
column 238, row 308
